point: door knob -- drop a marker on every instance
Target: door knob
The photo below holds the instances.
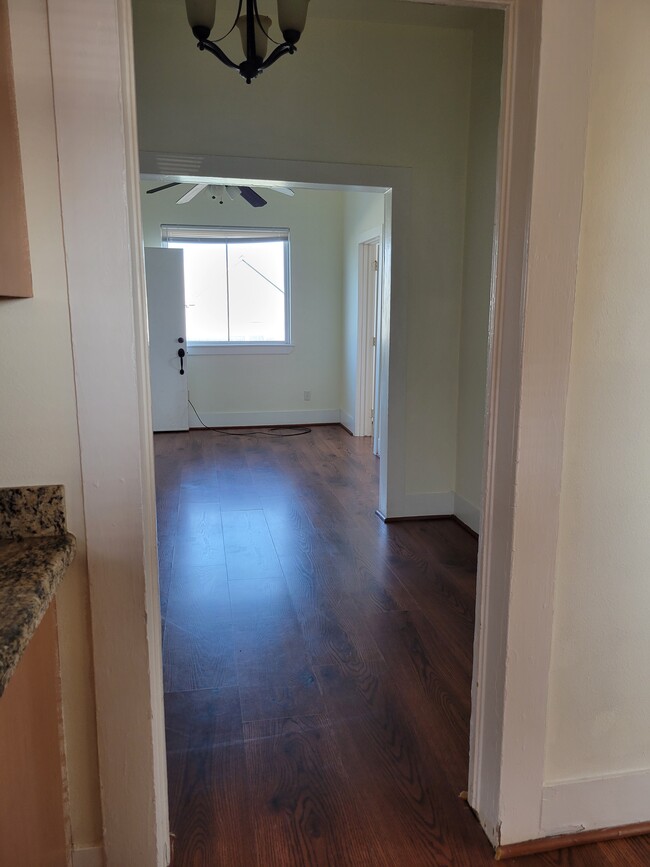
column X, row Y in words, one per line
column 181, row 355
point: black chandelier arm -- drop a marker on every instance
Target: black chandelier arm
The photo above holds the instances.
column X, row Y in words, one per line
column 213, row 48
column 277, row 53
column 261, row 26
column 234, row 24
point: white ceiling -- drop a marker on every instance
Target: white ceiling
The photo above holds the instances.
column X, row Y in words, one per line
column 415, row 14
column 395, row 12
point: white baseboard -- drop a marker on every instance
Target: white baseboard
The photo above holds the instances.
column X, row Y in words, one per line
column 436, row 503
column 599, row 802
column 467, row 513
column 422, row 505
column 254, row 419
column 88, row 856
column 347, row 421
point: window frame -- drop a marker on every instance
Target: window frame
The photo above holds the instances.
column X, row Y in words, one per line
column 200, row 234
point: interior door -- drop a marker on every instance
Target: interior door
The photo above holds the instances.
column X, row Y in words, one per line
column 166, row 311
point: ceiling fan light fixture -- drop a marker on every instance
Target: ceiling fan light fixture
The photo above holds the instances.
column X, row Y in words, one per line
column 292, row 17
column 200, row 16
column 218, row 192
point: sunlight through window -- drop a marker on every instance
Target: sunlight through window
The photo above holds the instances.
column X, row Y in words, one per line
column 236, row 284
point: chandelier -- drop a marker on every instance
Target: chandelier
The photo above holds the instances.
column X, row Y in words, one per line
column 254, row 30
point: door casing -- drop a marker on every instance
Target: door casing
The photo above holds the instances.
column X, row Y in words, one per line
column 546, row 87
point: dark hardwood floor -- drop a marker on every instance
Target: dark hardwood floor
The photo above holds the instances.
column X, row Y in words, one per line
column 317, row 664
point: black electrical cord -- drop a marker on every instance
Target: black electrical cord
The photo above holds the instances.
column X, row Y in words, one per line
column 277, row 431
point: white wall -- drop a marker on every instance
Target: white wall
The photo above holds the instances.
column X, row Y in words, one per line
column 477, row 267
column 356, row 93
column 599, row 687
column 38, row 424
column 222, row 387
column 363, row 213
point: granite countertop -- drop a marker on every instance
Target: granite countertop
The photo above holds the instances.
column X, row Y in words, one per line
column 35, row 551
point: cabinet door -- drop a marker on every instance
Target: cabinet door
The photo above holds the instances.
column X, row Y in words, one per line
column 15, row 273
column 33, row 817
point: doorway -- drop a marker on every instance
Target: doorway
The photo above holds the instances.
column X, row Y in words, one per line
column 369, row 356
column 323, row 364
column 105, row 365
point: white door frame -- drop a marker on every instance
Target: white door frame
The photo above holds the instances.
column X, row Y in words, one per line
column 377, row 401
column 540, row 190
column 546, row 86
column 94, row 103
column 369, row 305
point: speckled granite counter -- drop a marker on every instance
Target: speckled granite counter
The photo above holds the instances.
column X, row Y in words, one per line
column 35, row 551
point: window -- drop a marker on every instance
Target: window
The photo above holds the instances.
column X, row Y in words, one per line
column 236, row 286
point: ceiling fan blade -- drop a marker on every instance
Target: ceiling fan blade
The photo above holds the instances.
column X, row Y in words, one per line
column 286, row 191
column 164, row 187
column 196, row 189
column 253, row 198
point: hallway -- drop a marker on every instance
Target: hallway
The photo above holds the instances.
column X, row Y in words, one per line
column 317, row 663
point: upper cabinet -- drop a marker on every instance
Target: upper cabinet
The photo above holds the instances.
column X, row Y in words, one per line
column 15, row 269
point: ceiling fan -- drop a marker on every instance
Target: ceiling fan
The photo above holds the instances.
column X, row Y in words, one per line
column 218, row 191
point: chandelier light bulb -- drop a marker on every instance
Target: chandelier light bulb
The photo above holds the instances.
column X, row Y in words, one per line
column 261, row 34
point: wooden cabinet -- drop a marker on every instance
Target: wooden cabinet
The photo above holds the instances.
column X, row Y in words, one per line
column 33, row 815
column 15, row 269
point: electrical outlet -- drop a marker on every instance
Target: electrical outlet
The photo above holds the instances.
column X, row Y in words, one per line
column 307, row 395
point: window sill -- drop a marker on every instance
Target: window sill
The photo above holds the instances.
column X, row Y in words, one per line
column 240, row 348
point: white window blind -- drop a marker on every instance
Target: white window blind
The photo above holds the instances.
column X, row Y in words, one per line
column 212, row 235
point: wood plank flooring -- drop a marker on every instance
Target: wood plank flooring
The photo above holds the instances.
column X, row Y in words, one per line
column 317, row 664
